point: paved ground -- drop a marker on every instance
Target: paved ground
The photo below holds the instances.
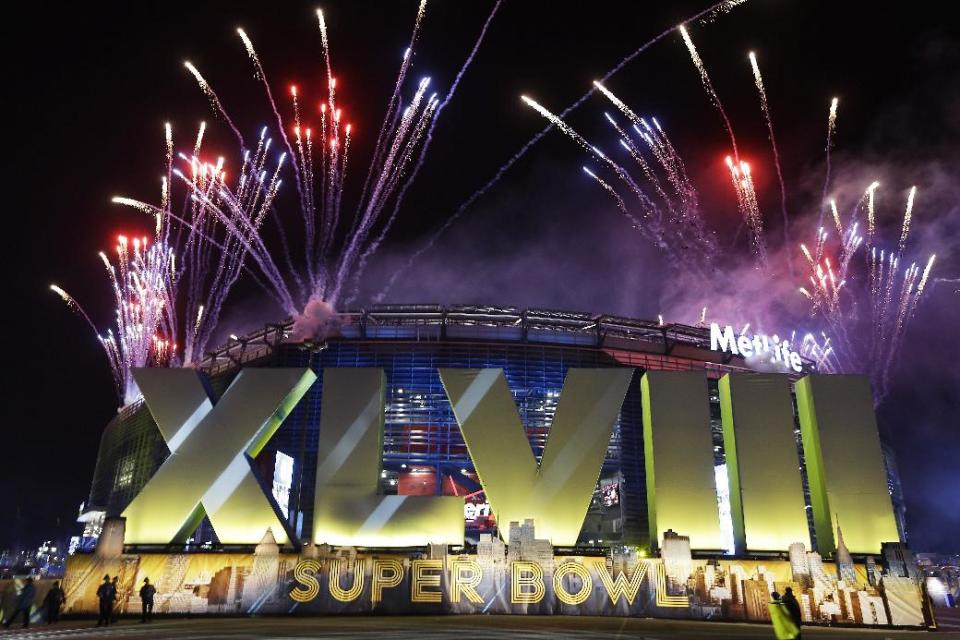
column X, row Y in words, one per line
column 435, row 628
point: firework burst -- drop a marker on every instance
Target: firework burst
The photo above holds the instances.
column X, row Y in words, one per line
column 866, row 310
column 669, row 215
column 707, row 15
column 881, row 290
column 142, row 277
column 169, row 296
column 211, row 234
column 338, row 235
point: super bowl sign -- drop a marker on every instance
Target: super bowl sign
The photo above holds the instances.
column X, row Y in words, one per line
column 526, row 579
column 465, row 581
column 213, row 440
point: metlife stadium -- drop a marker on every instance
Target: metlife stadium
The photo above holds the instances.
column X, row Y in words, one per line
column 423, row 450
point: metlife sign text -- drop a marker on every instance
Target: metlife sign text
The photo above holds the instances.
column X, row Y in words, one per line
column 763, row 347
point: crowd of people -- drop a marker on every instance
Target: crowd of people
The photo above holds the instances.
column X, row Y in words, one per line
column 107, row 595
column 784, row 610
column 24, row 603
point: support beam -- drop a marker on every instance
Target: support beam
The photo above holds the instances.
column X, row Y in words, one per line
column 844, row 462
column 678, row 448
column 766, row 490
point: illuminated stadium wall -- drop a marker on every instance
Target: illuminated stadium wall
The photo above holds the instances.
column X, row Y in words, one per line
column 423, row 451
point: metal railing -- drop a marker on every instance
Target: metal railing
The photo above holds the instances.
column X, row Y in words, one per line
column 434, row 322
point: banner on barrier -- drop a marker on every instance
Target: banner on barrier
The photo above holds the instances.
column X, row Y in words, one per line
column 490, row 581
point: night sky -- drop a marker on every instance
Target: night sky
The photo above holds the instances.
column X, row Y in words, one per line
column 89, row 85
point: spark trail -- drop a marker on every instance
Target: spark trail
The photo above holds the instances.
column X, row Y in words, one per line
column 73, row 305
column 765, row 107
column 682, row 227
column 708, row 87
column 672, row 224
column 907, row 217
column 749, row 209
column 831, row 129
column 213, row 234
column 609, row 189
column 596, row 153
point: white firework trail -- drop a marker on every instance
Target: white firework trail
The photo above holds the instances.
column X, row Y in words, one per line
column 828, row 148
column 214, row 102
column 594, row 151
column 718, row 10
column 836, row 217
column 708, row 87
column 907, row 217
column 749, row 209
column 666, row 156
column 609, row 189
column 660, row 230
column 871, row 212
column 73, row 305
column 674, row 224
column 765, row 107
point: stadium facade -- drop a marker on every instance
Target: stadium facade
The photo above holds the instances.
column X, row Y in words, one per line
column 423, row 452
column 429, row 459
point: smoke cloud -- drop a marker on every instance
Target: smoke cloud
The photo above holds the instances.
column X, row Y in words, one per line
column 317, row 321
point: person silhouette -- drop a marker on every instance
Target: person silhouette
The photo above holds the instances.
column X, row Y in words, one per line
column 53, row 601
column 793, row 608
column 147, row 592
column 783, row 626
column 23, row 604
column 105, row 595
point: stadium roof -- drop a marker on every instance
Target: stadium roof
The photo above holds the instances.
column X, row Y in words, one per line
column 434, row 322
